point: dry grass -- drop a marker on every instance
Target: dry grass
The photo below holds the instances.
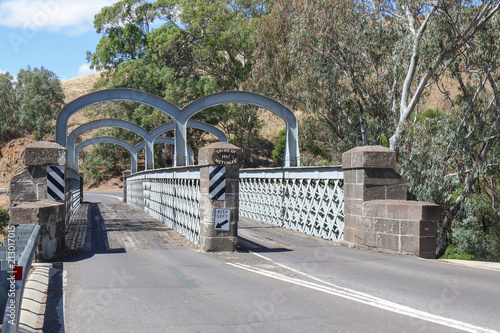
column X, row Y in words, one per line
column 79, row 86
column 4, row 201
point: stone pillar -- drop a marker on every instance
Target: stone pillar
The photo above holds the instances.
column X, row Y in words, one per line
column 219, row 218
column 125, row 174
column 377, row 214
column 28, row 198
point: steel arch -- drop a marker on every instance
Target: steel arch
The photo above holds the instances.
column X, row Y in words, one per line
column 109, row 95
column 292, row 154
column 70, row 157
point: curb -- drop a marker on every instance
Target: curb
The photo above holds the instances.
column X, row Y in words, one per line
column 33, row 316
column 492, row 266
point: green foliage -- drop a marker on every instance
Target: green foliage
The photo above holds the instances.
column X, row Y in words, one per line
column 453, row 253
column 179, row 50
column 29, row 104
column 4, row 221
column 40, row 97
column 279, row 147
column 8, row 107
column 428, row 113
column 103, row 160
column 477, row 230
column 384, row 141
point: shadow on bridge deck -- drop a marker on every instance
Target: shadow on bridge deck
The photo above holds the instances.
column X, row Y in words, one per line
column 107, row 228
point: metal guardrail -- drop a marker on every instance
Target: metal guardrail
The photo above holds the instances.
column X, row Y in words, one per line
column 306, row 199
column 17, row 254
column 72, row 192
column 171, row 196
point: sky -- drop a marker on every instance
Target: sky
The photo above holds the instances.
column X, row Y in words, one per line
column 55, row 34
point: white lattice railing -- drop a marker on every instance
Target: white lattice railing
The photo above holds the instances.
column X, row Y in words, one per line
column 72, row 192
column 309, row 200
column 171, row 196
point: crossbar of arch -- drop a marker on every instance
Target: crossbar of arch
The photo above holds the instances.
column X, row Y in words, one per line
column 134, row 150
column 149, row 137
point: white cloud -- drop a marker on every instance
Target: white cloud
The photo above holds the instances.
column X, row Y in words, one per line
column 2, row 71
column 73, row 17
column 85, row 70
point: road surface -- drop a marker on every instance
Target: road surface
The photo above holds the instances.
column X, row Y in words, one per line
column 131, row 274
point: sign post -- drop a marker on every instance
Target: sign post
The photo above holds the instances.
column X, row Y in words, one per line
column 219, row 205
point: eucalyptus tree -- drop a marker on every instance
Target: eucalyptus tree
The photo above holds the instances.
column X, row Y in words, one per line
column 361, row 69
column 179, row 50
column 8, row 106
column 40, row 97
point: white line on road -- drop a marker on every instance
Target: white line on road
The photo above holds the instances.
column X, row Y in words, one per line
column 363, row 298
column 109, row 195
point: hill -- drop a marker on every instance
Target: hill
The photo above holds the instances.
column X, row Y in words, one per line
column 10, row 152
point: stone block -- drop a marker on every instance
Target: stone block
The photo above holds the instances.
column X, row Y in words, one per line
column 364, row 223
column 44, row 153
column 373, row 157
column 353, row 207
column 428, row 228
column 410, row 245
column 349, row 221
column 50, row 215
column 369, row 238
column 208, row 230
column 372, row 192
column 388, row 243
column 412, row 210
column 376, row 208
column 22, row 192
column 386, row 226
column 350, row 176
column 396, row 192
column 348, row 235
column 427, row 247
column 380, row 177
column 410, row 228
column 217, row 244
column 232, row 186
column 220, row 153
column 232, row 172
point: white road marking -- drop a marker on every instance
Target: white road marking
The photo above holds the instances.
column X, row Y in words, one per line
column 360, row 297
column 108, row 195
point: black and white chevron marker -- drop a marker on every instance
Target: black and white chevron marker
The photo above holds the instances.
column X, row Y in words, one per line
column 55, row 182
column 217, row 183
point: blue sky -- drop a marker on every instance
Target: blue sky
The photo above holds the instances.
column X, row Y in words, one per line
column 52, row 33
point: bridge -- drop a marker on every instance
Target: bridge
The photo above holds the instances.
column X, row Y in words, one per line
column 212, row 247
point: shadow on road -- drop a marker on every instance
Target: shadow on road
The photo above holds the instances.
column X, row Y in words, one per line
column 86, row 234
column 249, row 245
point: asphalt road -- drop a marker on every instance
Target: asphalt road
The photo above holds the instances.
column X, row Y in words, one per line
column 279, row 281
column 103, row 196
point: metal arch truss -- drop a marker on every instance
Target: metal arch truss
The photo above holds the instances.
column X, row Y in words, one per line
column 172, row 196
column 149, row 138
column 181, row 117
column 134, row 150
column 309, row 200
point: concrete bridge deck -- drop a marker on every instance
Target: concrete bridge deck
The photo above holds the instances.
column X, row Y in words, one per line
column 128, row 273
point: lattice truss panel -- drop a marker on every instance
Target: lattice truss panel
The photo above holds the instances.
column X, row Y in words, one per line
column 171, row 199
column 307, row 200
column 72, row 192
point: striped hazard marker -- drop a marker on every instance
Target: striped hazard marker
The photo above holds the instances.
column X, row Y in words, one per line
column 55, row 182
column 217, row 183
